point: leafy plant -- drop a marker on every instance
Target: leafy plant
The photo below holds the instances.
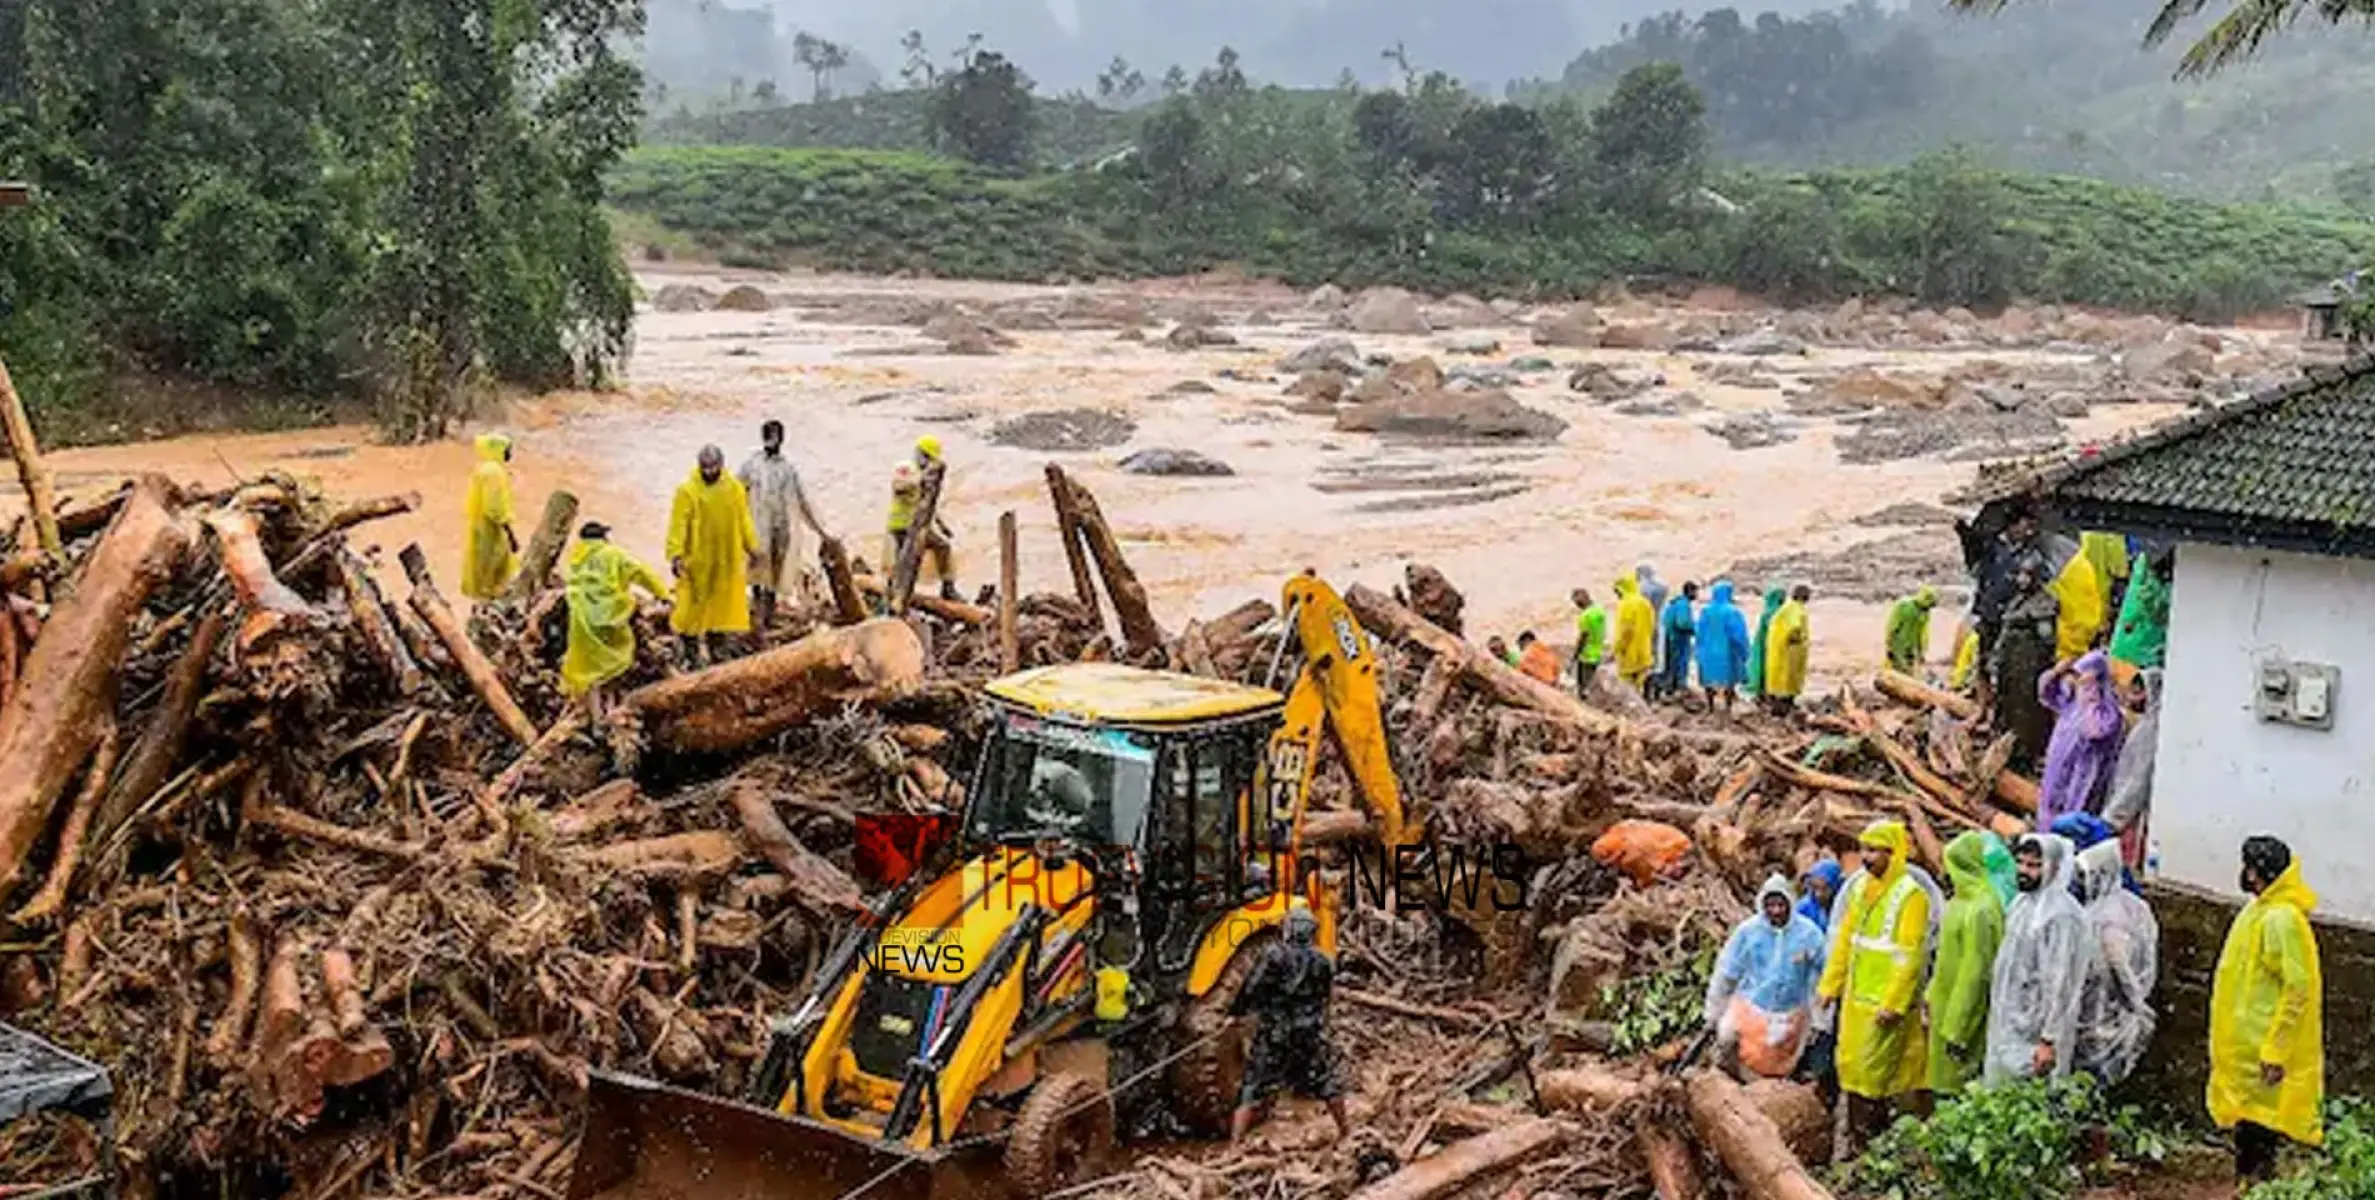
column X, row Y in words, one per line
column 1653, row 1008
column 2012, row 1141
column 2347, row 1169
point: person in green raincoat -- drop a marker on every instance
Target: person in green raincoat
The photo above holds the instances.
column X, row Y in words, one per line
column 486, row 513
column 1967, row 941
column 601, row 579
column 1909, row 630
column 1774, row 598
column 2002, row 872
column 2141, row 638
column 1874, row 972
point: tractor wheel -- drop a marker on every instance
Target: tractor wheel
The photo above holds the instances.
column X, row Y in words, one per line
column 1205, row 1081
column 1061, row 1136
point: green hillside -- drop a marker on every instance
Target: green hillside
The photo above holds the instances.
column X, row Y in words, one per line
column 1065, row 130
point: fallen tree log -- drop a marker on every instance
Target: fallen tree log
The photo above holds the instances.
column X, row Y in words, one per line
column 271, row 605
column 1140, row 634
column 941, row 607
column 544, row 547
column 819, row 885
column 41, row 499
column 474, row 665
column 1673, row 1168
column 910, row 562
column 1084, row 587
column 1464, row 1164
column 47, row 902
column 841, row 581
column 2016, row 792
column 56, row 716
column 736, row 704
column 678, row 857
column 378, row 631
column 1905, row 689
column 1748, row 1142
column 1585, row 1090
column 1383, row 615
column 376, row 508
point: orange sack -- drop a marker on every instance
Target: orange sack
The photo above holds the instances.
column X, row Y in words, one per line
column 1643, row 850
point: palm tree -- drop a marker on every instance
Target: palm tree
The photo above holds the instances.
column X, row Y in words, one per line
column 2236, row 36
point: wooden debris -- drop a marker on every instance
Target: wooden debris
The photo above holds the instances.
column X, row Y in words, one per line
column 1750, row 1145
column 40, row 497
column 544, row 547
column 735, row 704
column 1010, row 653
column 1465, row 1164
column 1905, row 689
column 840, row 580
column 484, row 679
column 1140, row 635
column 911, row 553
column 1067, row 506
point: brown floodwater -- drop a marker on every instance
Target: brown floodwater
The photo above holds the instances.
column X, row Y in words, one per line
column 1514, row 526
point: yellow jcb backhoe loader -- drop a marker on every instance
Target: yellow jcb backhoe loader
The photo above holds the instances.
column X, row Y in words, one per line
column 1129, row 843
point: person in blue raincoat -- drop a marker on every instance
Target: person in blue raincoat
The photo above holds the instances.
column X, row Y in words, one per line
column 1678, row 626
column 1821, row 886
column 1760, row 999
column 1722, row 646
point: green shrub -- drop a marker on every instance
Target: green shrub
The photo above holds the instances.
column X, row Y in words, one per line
column 1653, row 1008
column 2347, row 1169
column 2012, row 1141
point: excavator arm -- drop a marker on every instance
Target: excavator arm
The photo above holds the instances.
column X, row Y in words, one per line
column 1335, row 694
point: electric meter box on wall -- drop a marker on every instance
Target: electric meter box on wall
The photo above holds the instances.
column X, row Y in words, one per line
column 2296, row 693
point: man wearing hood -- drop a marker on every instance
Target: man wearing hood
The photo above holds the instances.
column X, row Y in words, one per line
column 2032, row 1020
column 1967, row 943
column 2267, row 1022
column 2115, row 1018
column 1653, row 589
column 1722, row 646
column 1774, row 598
column 1287, row 993
column 2127, row 806
column 773, row 485
column 1789, row 645
column 2021, row 656
column 1636, row 634
column 486, row 513
column 2087, row 729
column 1678, row 627
column 1909, row 630
column 601, row 579
column 711, row 542
column 1873, row 971
column 1760, row 998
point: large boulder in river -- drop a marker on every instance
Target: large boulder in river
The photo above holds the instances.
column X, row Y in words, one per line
column 1489, row 415
column 1327, row 354
column 682, row 298
column 1578, row 328
column 745, row 298
column 1165, row 461
column 1387, row 310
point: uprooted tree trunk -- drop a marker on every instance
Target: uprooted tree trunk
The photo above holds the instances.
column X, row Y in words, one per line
column 1466, row 1163
column 544, row 547
column 484, row 679
column 736, row 704
column 1060, row 495
column 919, row 534
column 841, row 581
column 816, row 883
column 1389, row 618
column 1748, row 1141
column 56, row 717
column 1140, row 634
column 154, row 757
column 39, row 496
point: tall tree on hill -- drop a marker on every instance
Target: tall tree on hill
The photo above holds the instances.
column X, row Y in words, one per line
column 2235, row 36
column 1649, row 140
column 983, row 113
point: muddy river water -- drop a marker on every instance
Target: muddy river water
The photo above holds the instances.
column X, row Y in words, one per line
column 1514, row 526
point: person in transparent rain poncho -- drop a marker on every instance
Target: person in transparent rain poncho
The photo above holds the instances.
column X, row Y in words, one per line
column 1760, row 998
column 2032, row 1017
column 2115, row 1018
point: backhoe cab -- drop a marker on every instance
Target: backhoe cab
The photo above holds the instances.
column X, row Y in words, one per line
column 1129, row 842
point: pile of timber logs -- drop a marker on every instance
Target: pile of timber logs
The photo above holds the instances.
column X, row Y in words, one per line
column 334, row 880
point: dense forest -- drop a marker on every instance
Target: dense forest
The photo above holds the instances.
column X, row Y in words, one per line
column 342, row 200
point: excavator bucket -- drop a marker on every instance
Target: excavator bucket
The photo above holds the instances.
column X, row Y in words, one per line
column 647, row 1141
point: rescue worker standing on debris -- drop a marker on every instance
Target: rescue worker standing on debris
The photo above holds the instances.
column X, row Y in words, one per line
column 1760, row 997
column 1591, row 640
column 2267, row 1018
column 1722, row 644
column 493, row 549
column 2032, row 1017
column 907, row 493
column 601, row 579
column 1287, row 995
column 1959, row 984
column 1874, row 971
column 1786, row 651
column 1536, row 658
column 1909, row 630
column 1636, row 634
column 773, row 485
column 1678, row 624
column 711, row 546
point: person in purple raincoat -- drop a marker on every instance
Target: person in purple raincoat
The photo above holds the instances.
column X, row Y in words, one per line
column 2087, row 730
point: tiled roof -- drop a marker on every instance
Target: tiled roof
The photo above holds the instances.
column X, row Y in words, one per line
column 2292, row 467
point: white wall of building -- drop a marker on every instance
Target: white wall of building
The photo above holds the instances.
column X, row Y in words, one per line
column 2223, row 774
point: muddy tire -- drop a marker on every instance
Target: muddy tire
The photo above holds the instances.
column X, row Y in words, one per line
column 1061, row 1137
column 1205, row 1082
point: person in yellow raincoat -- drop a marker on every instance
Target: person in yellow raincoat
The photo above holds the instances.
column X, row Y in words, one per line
column 2079, row 588
column 491, row 555
column 1636, row 633
column 601, row 579
column 2267, row 1028
column 711, row 543
column 1786, row 649
column 907, row 490
column 1874, row 972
